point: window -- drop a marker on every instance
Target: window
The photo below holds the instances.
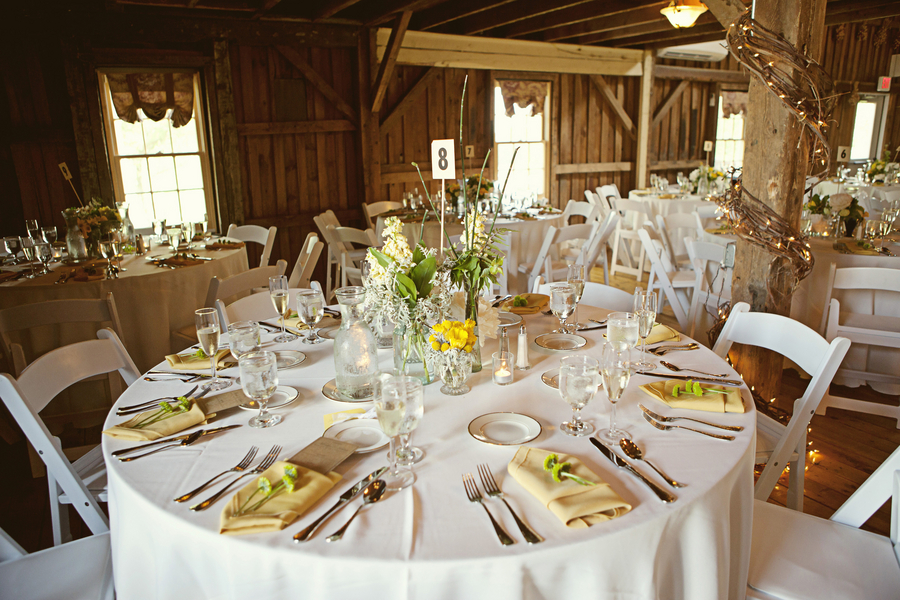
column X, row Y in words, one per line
column 530, row 133
column 868, row 126
column 730, row 132
column 160, row 170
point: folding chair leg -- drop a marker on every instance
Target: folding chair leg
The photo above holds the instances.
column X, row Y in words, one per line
column 59, row 513
column 796, row 478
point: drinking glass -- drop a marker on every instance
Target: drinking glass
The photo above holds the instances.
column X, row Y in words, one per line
column 579, row 376
column 49, row 234
column 13, row 245
column 107, row 252
column 645, row 309
column 278, row 291
column 118, row 239
column 259, row 379
column 33, row 229
column 884, row 225
column 28, row 251
column 45, row 255
column 805, row 222
column 872, row 229
column 615, row 372
column 243, row 338
column 187, row 232
column 562, row 303
column 174, row 234
column 399, row 408
column 576, row 278
column 311, row 308
column 622, row 329
column 208, row 333
column 159, row 228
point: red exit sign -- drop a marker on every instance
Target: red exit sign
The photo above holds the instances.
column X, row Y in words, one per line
column 884, row 84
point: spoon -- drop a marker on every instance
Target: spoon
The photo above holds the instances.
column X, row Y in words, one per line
column 660, row 350
column 372, row 494
column 634, row 452
column 672, row 367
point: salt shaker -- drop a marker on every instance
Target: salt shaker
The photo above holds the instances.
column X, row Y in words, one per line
column 522, row 363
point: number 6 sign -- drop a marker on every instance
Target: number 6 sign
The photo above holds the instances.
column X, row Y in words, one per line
column 443, row 160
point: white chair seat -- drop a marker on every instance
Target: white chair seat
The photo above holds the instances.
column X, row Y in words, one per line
column 788, row 562
column 768, row 434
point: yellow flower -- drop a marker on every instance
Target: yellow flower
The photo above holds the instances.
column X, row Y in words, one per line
column 431, row 339
column 445, row 347
column 435, row 345
column 468, row 348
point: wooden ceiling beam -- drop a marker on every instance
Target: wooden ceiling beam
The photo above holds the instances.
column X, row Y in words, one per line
column 318, row 82
column 703, row 75
column 386, row 69
column 410, row 98
column 452, row 11
column 568, row 16
column 605, row 23
column 332, row 7
column 845, row 6
column 672, row 38
column 656, row 27
column 506, row 14
column 266, row 6
column 391, row 9
column 882, row 12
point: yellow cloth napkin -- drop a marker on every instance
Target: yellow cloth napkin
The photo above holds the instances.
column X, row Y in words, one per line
column 577, row 506
column 190, row 362
column 709, row 402
column 861, row 250
column 294, row 324
column 660, row 333
column 536, row 302
column 160, row 429
column 719, row 230
column 281, row 510
column 341, row 416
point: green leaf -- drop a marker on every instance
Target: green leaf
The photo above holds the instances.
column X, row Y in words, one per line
column 407, row 287
column 418, row 254
column 382, row 259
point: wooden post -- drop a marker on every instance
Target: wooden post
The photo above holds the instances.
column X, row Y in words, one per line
column 643, row 139
column 369, row 134
column 775, row 167
column 231, row 200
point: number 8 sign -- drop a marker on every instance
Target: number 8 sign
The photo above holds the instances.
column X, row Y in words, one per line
column 443, row 159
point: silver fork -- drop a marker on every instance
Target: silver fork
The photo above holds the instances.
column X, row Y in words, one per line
column 663, row 350
column 663, row 419
column 156, row 401
column 241, row 466
column 475, row 496
column 493, row 491
column 668, row 427
column 267, row 462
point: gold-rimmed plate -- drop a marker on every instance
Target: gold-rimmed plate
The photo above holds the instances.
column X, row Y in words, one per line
column 365, row 433
column 284, row 395
column 286, row 359
column 504, row 429
column 560, row 342
column 508, row 319
column 551, row 378
column 330, row 391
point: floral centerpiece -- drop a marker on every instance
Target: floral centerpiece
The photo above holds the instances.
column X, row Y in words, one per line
column 93, row 221
column 452, row 343
column 704, row 173
column 878, row 169
column 843, row 206
column 476, row 189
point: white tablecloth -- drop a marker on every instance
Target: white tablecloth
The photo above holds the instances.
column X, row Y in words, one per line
column 428, row 541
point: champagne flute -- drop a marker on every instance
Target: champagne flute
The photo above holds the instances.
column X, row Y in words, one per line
column 28, row 251
column 622, row 329
column 576, row 277
column 159, row 227
column 107, row 252
column 33, row 229
column 278, row 291
column 400, row 396
column 208, row 333
column 645, row 309
column 578, row 379
column 259, row 379
column 243, row 338
column 562, row 303
column 174, row 234
column 311, row 308
column 117, row 237
column 615, row 372
column 187, row 232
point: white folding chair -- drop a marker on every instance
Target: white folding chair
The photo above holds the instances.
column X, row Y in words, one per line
column 594, row 251
column 595, row 294
column 605, row 191
column 81, row 483
column 795, row 556
column 376, row 208
column 333, row 250
column 663, row 276
column 588, row 210
column 257, row 307
column 306, row 262
column 79, row 570
column 712, row 280
column 633, row 216
column 255, row 233
column 778, row 445
column 866, row 293
column 350, row 260
column 545, row 263
column 672, row 229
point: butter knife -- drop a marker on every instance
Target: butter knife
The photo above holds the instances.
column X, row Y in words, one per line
column 619, row 462
column 345, row 498
column 734, row 382
column 204, row 433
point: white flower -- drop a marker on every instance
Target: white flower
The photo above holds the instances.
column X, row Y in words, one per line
column 838, row 202
column 694, row 176
column 474, row 232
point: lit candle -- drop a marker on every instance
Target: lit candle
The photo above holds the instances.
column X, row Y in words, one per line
column 503, row 367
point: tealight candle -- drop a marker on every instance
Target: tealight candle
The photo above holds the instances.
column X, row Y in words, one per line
column 503, row 367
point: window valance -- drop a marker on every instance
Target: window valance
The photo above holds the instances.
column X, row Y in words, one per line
column 155, row 93
column 734, row 103
column 523, row 93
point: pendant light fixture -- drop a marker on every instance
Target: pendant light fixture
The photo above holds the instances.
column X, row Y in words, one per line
column 683, row 13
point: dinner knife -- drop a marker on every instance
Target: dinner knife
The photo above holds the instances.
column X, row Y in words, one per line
column 204, row 433
column 139, row 408
column 686, row 378
column 619, row 462
column 345, row 498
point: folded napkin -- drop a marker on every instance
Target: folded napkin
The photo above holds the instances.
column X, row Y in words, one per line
column 281, row 510
column 666, row 196
column 660, row 333
column 180, row 261
column 730, row 402
column 577, row 506
column 294, row 324
column 225, row 245
column 862, row 248
column 191, row 362
column 535, row 303
column 719, row 230
column 160, row 429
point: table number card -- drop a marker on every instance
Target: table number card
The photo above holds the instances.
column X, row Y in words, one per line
column 443, row 159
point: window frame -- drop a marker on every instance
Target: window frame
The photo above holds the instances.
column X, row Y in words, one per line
column 882, row 102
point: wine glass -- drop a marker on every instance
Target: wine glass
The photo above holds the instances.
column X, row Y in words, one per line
column 118, row 239
column 259, row 379
column 407, row 454
column 45, row 255
column 208, row 333
column 174, row 234
column 107, row 252
column 615, row 372
column 187, row 232
column 33, row 229
column 243, row 338
column 562, row 303
column 576, row 277
column 159, row 227
column 28, row 251
column 49, row 234
column 400, row 400
column 645, row 309
column 622, row 329
column 579, row 376
column 13, row 245
column 278, row 291
column 311, row 308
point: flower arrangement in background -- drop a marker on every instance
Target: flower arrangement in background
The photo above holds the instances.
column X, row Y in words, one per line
column 476, row 189
column 91, row 219
column 878, row 169
column 842, row 205
column 710, row 174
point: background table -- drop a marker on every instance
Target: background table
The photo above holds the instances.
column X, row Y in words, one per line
column 429, row 541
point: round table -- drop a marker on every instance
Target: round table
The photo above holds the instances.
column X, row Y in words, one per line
column 429, row 541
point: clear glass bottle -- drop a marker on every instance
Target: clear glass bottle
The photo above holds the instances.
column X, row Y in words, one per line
column 355, row 360
column 127, row 225
column 76, row 245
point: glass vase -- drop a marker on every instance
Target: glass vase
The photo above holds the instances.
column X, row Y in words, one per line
column 410, row 353
column 355, row 360
column 76, row 245
column 472, row 313
column 454, row 368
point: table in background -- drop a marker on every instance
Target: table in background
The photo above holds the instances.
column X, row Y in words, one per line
column 429, row 541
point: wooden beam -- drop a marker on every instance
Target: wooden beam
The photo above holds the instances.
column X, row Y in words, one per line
column 643, row 137
column 665, row 165
column 391, row 9
column 296, row 127
column 672, row 36
column 231, row 198
column 389, row 59
column 466, row 52
column 318, row 81
column 603, row 23
column 569, row 16
column 658, row 26
column 332, row 7
column 725, row 11
column 696, row 39
column 410, row 98
column 452, row 11
column 369, row 137
column 509, row 13
column 614, row 103
column 694, row 74
column 266, row 6
column 884, row 12
column 668, row 103
column 607, row 167
column 406, row 173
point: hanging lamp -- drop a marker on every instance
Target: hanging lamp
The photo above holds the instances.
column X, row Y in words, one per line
column 683, row 13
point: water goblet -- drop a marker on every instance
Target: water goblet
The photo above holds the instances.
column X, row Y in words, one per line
column 399, row 408
column 645, row 309
column 33, row 229
column 576, row 276
column 579, row 376
column 805, row 221
column 872, row 229
column 174, row 235
column 49, row 234
column 243, row 338
column 159, row 228
column 187, row 233
column 259, row 379
column 118, row 239
column 622, row 329
column 562, row 303
column 278, row 292
column 108, row 252
column 311, row 308
column 45, row 255
column 29, row 252
column 208, row 333
column 13, row 245
column 615, row 372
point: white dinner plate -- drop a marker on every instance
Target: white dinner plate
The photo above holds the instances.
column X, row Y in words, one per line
column 365, row 433
column 508, row 319
column 551, row 378
column 504, row 429
column 330, row 391
column 288, row 358
column 329, row 332
column 561, row 342
column 283, row 396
